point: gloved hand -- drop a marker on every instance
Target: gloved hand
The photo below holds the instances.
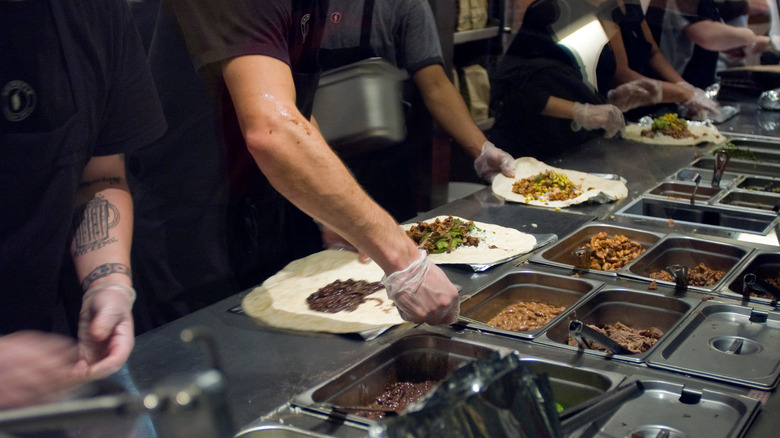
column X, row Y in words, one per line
column 607, row 117
column 639, row 92
column 492, row 161
column 332, row 240
column 35, row 367
column 105, row 330
column 699, row 107
column 422, row 293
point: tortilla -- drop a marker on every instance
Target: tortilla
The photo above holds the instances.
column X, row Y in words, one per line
column 496, row 244
column 702, row 133
column 592, row 186
column 280, row 301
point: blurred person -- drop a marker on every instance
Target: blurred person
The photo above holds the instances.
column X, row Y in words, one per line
column 404, row 34
column 636, row 55
column 542, row 105
column 690, row 33
column 76, row 95
column 260, row 60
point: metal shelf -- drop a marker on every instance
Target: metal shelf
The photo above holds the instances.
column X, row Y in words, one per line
column 475, row 35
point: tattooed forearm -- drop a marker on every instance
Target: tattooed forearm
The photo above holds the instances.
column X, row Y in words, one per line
column 104, row 270
column 93, row 225
column 106, row 182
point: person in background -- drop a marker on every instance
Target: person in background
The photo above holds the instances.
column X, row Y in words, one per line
column 76, row 96
column 637, row 56
column 690, row 33
column 542, row 105
column 404, row 34
column 260, row 59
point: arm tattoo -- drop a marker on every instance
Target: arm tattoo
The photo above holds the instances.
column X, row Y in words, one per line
column 93, row 225
column 104, row 270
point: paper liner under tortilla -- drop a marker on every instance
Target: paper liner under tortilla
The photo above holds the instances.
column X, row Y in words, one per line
column 497, row 244
column 595, row 189
column 703, row 132
column 280, row 301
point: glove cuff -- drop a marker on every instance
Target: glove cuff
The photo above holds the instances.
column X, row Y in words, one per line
column 403, row 279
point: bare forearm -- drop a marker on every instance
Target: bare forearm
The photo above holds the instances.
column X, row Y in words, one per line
column 448, row 109
column 557, row 107
column 716, row 36
column 103, row 236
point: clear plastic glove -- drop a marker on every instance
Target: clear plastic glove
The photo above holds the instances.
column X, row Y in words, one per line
column 640, row 92
column 492, row 161
column 36, row 367
column 607, row 117
column 423, row 293
column 332, row 240
column 105, row 332
column 699, row 107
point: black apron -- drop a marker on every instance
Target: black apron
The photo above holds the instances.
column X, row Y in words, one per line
column 34, row 255
column 386, row 173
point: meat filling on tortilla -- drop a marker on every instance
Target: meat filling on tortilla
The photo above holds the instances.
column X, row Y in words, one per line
column 670, row 125
column 442, row 236
column 547, row 186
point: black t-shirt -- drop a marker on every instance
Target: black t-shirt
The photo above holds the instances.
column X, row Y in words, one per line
column 96, row 97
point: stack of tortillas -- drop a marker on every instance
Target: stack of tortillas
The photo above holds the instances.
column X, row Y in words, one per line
column 592, row 186
column 280, row 301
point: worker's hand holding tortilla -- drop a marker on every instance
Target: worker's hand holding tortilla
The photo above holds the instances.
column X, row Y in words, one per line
column 423, row 293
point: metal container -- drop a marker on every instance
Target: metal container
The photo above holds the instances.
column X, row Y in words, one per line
column 273, row 430
column 726, row 180
column 638, row 310
column 761, row 184
column 421, row 357
column 359, row 106
column 745, row 142
column 740, row 167
column 556, row 290
column 689, row 252
column 562, row 253
column 725, row 218
column 764, row 264
column 752, row 200
column 414, row 358
column 675, row 411
column 683, row 191
column 725, row 342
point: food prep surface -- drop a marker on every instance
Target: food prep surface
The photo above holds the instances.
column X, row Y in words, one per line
column 285, row 379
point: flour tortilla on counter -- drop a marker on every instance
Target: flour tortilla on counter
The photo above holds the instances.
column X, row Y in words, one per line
column 702, row 133
column 497, row 243
column 281, row 300
column 592, row 186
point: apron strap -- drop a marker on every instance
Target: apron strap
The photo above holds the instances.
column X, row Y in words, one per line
column 365, row 32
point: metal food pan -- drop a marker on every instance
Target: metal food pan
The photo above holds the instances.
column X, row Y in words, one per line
column 414, row 358
column 762, row 154
column 274, row 430
column 675, row 411
column 701, row 215
column 725, row 342
column 763, row 264
column 756, row 183
column 766, row 142
column 686, row 251
column 683, row 191
column 556, row 290
column 749, row 199
column 726, row 180
column 560, row 254
column 638, row 310
column 739, row 166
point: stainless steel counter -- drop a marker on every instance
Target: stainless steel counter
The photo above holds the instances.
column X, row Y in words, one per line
column 265, row 366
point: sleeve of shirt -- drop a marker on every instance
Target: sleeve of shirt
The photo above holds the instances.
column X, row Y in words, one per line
column 133, row 114
column 216, row 30
column 420, row 40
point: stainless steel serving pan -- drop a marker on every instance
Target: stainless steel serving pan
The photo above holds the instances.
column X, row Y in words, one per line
column 725, row 342
column 763, row 263
column 552, row 289
column 687, row 251
column 676, row 411
column 561, row 254
column 638, row 310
